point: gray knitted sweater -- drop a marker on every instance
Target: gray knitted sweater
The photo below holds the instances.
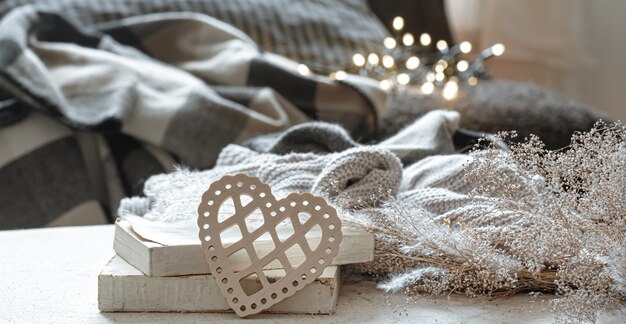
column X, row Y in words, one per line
column 417, row 166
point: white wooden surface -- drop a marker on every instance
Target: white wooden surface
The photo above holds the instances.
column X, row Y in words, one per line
column 51, row 276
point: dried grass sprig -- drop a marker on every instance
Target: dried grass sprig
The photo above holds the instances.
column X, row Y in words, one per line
column 558, row 225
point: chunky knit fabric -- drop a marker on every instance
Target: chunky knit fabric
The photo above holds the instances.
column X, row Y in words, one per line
column 417, row 166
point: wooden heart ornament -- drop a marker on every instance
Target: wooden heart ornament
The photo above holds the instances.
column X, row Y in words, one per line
column 244, row 206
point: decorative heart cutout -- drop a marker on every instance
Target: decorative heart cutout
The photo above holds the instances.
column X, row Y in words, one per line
column 235, row 204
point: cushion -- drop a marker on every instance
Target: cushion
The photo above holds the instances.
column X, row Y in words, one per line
column 493, row 106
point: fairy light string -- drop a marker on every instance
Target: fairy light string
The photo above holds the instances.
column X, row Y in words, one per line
column 431, row 66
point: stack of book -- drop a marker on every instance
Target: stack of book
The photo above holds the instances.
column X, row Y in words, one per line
column 152, row 274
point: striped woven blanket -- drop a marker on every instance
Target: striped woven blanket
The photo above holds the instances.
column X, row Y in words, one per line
column 98, row 96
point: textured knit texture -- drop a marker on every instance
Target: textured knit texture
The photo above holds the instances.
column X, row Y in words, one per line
column 355, row 179
column 308, row 137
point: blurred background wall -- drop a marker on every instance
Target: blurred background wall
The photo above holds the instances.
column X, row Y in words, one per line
column 575, row 47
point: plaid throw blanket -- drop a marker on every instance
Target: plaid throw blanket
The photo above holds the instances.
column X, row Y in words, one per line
column 123, row 99
column 324, row 34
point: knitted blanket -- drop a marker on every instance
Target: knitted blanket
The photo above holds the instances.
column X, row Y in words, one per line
column 417, row 166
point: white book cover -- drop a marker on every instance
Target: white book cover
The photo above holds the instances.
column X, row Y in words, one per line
column 122, row 288
column 163, row 249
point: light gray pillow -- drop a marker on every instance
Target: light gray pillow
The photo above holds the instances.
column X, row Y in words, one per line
column 493, row 106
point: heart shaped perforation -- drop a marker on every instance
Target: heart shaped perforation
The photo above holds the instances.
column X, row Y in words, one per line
column 305, row 212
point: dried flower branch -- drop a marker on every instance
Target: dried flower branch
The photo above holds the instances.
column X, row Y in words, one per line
column 549, row 221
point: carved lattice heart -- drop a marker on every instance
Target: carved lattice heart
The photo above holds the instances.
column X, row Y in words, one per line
column 253, row 214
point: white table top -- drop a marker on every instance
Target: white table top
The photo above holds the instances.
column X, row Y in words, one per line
column 50, row 275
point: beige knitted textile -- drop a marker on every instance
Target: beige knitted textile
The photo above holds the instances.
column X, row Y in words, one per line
column 361, row 175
